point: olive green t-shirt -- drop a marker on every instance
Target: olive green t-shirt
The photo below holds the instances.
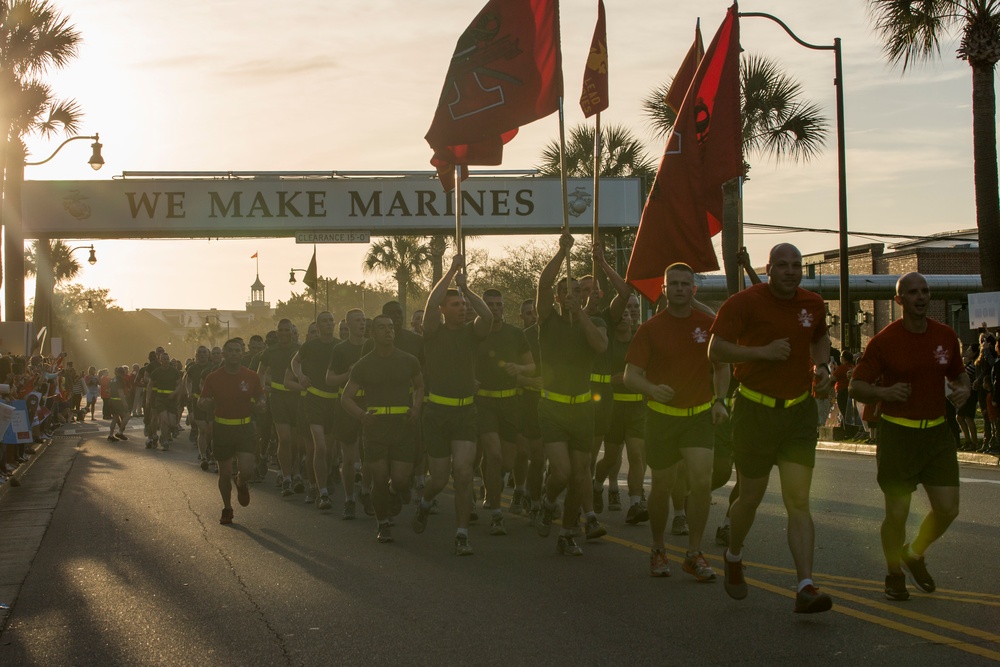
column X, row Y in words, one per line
column 497, row 350
column 344, row 355
column 315, row 357
column 386, row 380
column 277, row 359
column 450, row 360
column 566, row 355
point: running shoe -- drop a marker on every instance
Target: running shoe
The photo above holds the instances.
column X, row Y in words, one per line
column 462, row 546
column 811, row 601
column 298, row 486
column 735, row 584
column 286, row 488
column 242, row 491
column 121, row 436
column 697, row 566
column 350, row 510
column 149, row 443
column 434, row 506
column 227, row 516
column 310, row 497
column 324, row 502
column 497, row 526
column 204, row 464
column 112, row 438
column 595, row 529
column 213, row 466
column 384, row 533
column 916, row 571
column 420, row 519
column 895, row 587
column 515, row 503
column 680, row 525
column 658, row 564
column 634, row 515
column 533, row 518
column 567, row 546
column 545, row 523
column 473, row 516
column 614, row 501
column 599, row 500
column 722, row 536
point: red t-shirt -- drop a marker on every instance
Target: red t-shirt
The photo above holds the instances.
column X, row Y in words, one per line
column 674, row 351
column 233, row 392
column 842, row 375
column 754, row 318
column 922, row 359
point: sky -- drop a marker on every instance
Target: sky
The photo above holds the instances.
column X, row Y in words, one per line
column 241, row 85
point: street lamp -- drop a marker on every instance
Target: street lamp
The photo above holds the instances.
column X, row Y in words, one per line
column 845, row 298
column 292, row 281
column 220, row 321
column 93, row 255
column 96, row 161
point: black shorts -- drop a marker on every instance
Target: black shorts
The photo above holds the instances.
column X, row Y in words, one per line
column 569, row 423
column 164, row 403
column 228, row 440
column 445, row 424
column 667, row 435
column 498, row 415
column 318, row 410
column 604, row 406
column 911, row 456
column 284, row 406
column 628, row 420
column 763, row 436
column 389, row 438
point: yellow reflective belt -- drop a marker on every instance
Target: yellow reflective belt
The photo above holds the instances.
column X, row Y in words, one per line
column 914, row 423
column 323, row 394
column 770, row 402
column 232, row 422
column 112, row 398
column 629, row 398
column 389, row 410
column 279, row 386
column 564, row 398
column 163, row 391
column 665, row 409
column 603, row 379
column 500, row 393
column 454, row 402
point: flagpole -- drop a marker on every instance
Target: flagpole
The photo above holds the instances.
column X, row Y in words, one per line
column 562, row 178
column 459, row 239
column 597, row 180
column 315, row 289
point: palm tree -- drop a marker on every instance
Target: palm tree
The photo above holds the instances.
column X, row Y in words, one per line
column 34, row 37
column 622, row 154
column 911, row 32
column 403, row 257
column 777, row 123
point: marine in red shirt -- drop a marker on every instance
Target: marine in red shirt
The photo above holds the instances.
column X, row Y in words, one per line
column 775, row 334
column 232, row 393
column 919, row 366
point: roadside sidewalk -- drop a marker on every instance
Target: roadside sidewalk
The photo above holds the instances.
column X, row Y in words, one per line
column 869, row 450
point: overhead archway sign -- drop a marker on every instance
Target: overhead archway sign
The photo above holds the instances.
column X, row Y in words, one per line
column 296, row 207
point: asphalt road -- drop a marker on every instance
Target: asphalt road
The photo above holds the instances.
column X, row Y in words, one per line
column 111, row 554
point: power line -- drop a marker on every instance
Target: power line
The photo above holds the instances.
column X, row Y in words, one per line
column 765, row 228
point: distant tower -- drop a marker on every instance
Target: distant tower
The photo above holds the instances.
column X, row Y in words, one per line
column 257, row 306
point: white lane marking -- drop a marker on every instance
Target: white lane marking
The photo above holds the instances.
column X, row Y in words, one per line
column 971, row 480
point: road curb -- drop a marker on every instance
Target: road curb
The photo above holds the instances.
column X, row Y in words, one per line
column 39, row 448
column 864, row 449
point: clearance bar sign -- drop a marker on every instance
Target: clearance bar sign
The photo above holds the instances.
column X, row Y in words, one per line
column 348, row 207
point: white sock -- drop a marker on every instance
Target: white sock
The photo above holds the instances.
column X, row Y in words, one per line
column 804, row 583
column 678, row 513
column 464, row 532
column 634, row 499
column 731, row 558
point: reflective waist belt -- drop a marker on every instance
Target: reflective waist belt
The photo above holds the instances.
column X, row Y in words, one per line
column 453, row 402
column 767, row 401
column 564, row 398
column 602, row 379
column 914, row 423
column 323, row 394
column 665, row 409
column 629, row 398
column 112, row 398
column 499, row 393
column 163, row 391
column 232, row 422
column 279, row 386
column 389, row 410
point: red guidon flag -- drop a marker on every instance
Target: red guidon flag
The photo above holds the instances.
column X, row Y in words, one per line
column 704, row 150
column 685, row 74
column 595, row 75
column 506, row 72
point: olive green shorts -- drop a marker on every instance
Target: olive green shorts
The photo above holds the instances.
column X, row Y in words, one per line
column 445, row 424
column 569, row 423
column 910, row 456
column 763, row 436
column 667, row 435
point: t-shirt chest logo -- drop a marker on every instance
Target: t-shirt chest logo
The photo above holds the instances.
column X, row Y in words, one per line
column 942, row 355
column 805, row 318
column 699, row 335
column 244, row 387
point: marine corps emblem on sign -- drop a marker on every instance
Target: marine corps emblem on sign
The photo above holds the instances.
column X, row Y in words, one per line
column 942, row 355
column 699, row 335
column 75, row 204
column 579, row 201
column 805, row 318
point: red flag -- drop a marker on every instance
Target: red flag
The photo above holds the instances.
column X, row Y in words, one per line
column 595, row 75
column 310, row 278
column 704, row 150
column 253, row 256
column 506, row 72
column 685, row 74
